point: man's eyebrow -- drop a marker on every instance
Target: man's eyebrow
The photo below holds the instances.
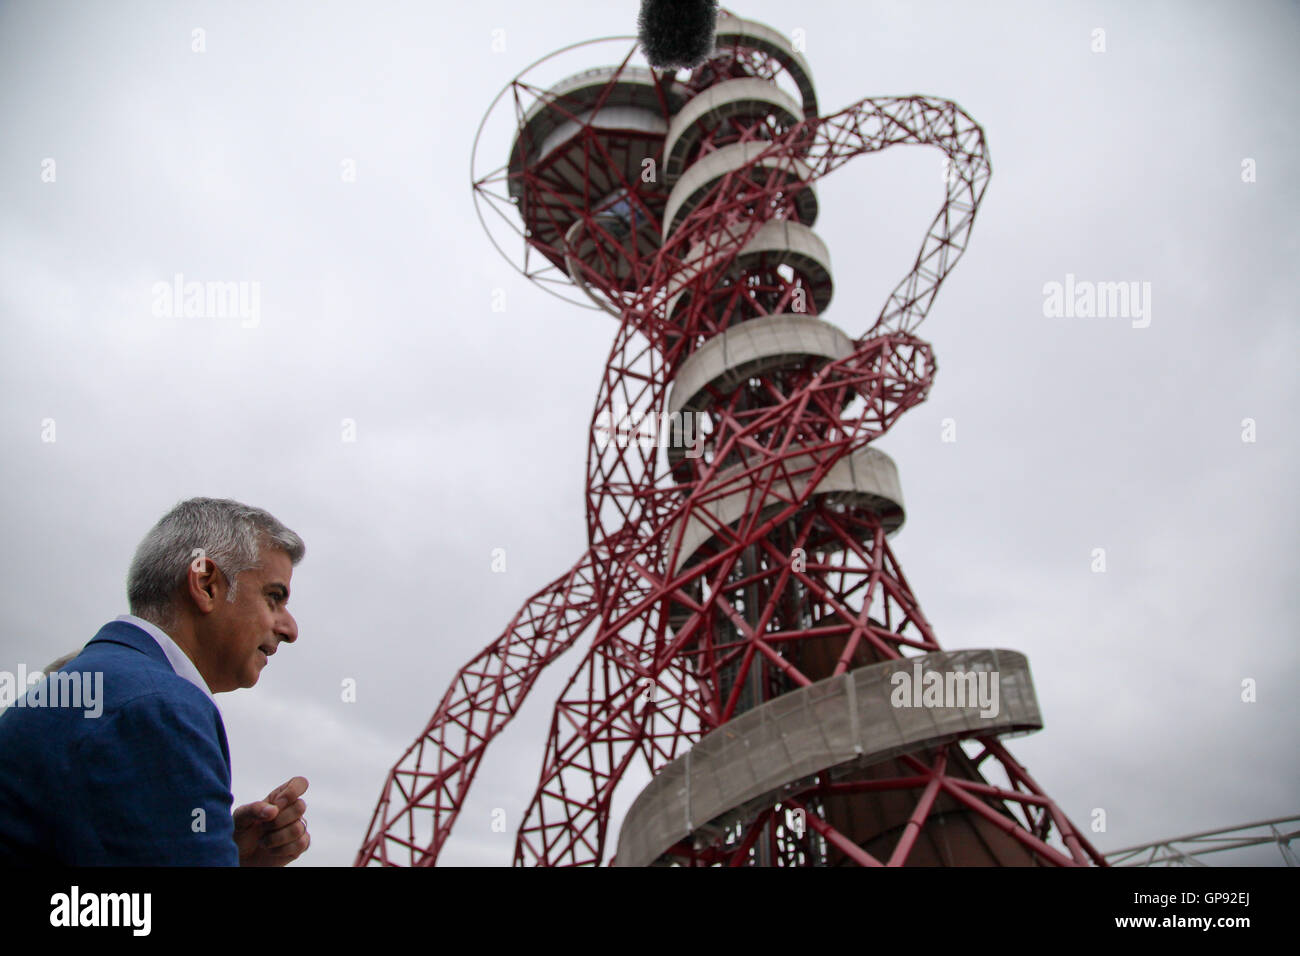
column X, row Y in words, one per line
column 282, row 587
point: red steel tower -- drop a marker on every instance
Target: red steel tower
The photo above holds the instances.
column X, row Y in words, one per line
column 753, row 637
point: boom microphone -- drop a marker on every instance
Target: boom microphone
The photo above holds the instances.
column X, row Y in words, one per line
column 677, row 33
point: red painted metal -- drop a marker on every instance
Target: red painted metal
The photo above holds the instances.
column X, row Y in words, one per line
column 747, row 624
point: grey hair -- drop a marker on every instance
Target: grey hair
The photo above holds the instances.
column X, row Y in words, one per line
column 231, row 536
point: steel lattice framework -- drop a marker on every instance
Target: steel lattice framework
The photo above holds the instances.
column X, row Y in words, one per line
column 744, row 556
column 1188, row 850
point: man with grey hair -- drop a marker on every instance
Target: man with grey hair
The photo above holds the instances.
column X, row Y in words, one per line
column 145, row 779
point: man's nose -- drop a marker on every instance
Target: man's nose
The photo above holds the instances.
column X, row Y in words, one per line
column 288, row 629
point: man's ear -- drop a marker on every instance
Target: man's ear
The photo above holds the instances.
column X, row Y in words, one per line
column 205, row 584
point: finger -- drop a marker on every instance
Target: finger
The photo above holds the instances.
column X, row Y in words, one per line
column 288, row 792
column 288, row 815
column 246, row 815
column 291, row 850
column 251, row 814
column 283, row 837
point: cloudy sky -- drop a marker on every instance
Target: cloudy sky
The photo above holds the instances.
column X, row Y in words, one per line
column 127, row 157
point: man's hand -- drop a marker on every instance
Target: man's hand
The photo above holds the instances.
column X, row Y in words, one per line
column 273, row 832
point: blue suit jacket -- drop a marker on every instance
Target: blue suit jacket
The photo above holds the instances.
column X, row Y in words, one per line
column 121, row 788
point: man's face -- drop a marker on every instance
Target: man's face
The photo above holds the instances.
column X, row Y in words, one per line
column 242, row 634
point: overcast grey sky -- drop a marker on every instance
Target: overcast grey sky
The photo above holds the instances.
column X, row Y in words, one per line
column 1072, row 433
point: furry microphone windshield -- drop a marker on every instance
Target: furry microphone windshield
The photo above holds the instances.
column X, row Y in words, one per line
column 677, row 33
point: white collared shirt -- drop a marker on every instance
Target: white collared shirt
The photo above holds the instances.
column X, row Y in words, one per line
column 179, row 660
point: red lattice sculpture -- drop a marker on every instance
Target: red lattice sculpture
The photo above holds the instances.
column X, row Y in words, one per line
column 739, row 562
